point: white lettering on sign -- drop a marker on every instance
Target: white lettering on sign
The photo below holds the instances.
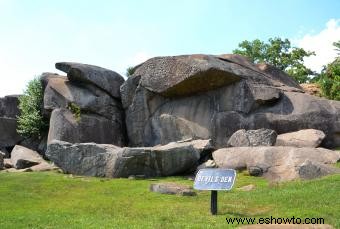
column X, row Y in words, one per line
column 214, row 179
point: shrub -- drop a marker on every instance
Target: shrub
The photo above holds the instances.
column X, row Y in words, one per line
column 31, row 122
column 330, row 80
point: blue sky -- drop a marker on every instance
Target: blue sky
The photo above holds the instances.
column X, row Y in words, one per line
column 116, row 34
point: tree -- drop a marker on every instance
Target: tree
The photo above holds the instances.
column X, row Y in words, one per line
column 278, row 53
column 330, row 77
column 31, row 122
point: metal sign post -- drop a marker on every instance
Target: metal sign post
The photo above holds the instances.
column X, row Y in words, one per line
column 214, row 180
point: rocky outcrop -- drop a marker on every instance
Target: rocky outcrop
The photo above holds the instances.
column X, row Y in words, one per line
column 105, row 79
column 279, row 163
column 65, row 126
column 112, row 161
column 8, row 121
column 204, row 96
column 301, row 138
column 85, row 106
column 22, row 157
column 260, row 137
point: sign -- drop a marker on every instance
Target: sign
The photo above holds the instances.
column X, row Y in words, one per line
column 215, row 179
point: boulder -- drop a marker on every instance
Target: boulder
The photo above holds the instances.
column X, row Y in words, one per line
column 104, row 160
column 9, row 135
column 173, row 189
column 301, row 138
column 61, row 93
column 278, row 163
column 8, row 121
column 66, row 126
column 22, row 157
column 310, row 170
column 105, row 79
column 260, row 137
column 211, row 97
column 9, row 106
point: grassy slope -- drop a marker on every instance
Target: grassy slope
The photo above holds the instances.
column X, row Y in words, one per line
column 52, row 200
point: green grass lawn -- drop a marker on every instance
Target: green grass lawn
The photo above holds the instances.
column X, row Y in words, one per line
column 54, row 200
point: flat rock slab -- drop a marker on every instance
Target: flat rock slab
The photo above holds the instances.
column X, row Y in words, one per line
column 105, row 160
column 173, row 189
column 288, row 226
column 301, row 138
column 279, row 163
column 22, row 157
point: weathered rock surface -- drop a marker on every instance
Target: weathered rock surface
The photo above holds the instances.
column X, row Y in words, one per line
column 78, row 107
column 8, row 121
column 9, row 106
column 111, row 161
column 301, row 138
column 22, row 157
column 260, row 137
column 279, row 163
column 105, row 79
column 211, row 97
column 65, row 126
column 172, row 189
column 60, row 93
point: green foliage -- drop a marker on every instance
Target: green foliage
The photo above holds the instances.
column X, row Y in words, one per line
column 130, row 71
column 31, row 122
column 75, row 109
column 330, row 80
column 52, row 200
column 278, row 53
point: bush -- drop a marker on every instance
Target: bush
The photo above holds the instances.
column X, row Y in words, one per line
column 31, row 122
column 330, row 80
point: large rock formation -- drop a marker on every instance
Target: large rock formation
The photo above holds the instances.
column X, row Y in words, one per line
column 279, row 163
column 204, row 96
column 85, row 106
column 104, row 160
column 8, row 121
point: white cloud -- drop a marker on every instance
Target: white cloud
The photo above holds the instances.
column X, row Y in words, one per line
column 322, row 44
